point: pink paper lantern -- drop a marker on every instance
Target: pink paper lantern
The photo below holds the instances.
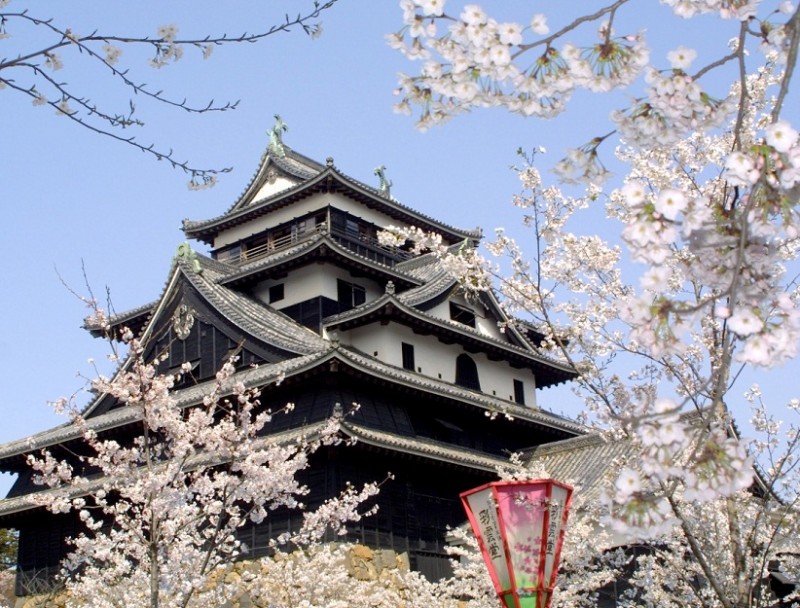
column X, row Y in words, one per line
column 520, row 529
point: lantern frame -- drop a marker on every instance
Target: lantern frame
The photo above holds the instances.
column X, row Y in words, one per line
column 520, row 530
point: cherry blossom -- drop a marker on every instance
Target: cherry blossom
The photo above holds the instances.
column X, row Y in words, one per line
column 160, row 513
column 781, row 136
column 706, row 209
column 539, row 25
column 681, row 58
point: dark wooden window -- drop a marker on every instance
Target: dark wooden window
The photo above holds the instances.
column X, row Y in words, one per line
column 519, row 392
column 280, row 236
column 350, row 295
column 467, row 372
column 351, row 228
column 408, row 356
column 299, row 229
column 231, row 254
column 276, row 293
column 462, row 314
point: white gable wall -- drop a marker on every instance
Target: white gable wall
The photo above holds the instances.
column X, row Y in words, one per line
column 280, row 184
column 438, row 360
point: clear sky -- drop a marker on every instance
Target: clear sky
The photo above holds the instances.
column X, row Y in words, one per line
column 74, row 200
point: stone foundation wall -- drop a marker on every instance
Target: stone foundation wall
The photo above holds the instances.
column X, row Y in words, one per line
column 361, row 563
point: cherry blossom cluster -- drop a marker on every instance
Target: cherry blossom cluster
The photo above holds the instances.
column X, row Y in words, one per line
column 675, row 104
column 354, row 576
column 474, row 63
column 727, row 9
column 471, row 60
column 713, row 291
column 690, row 561
column 332, row 515
column 160, row 513
column 733, row 234
column 462, row 261
column 707, row 211
column 690, row 485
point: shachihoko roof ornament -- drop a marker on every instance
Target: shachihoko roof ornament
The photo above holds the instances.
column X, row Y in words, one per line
column 384, row 185
column 276, row 137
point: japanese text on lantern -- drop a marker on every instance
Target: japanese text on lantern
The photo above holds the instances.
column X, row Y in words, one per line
column 553, row 526
column 489, row 533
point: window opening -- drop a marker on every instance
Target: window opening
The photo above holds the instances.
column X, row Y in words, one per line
column 298, row 229
column 408, row 356
column 462, row 314
column 276, row 293
column 350, row 295
column 351, row 228
column 232, row 254
column 467, row 372
column 519, row 392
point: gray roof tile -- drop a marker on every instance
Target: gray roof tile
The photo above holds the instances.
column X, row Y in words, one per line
column 454, row 326
column 258, row 319
column 587, row 463
column 426, row 448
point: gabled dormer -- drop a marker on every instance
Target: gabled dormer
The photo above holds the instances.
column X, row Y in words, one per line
column 292, row 198
column 303, row 237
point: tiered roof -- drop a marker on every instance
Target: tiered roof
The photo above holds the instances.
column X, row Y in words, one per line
column 413, row 288
column 310, row 177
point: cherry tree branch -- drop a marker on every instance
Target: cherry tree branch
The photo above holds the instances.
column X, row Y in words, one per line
column 167, row 48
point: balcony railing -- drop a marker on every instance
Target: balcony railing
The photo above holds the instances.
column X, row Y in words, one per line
column 364, row 245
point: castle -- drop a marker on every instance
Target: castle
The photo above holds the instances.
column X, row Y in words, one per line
column 296, row 278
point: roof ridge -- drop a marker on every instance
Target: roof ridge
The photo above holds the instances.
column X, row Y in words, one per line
column 263, row 161
column 424, row 446
column 590, row 439
column 458, row 327
column 290, row 336
column 491, row 403
column 236, row 211
column 184, row 397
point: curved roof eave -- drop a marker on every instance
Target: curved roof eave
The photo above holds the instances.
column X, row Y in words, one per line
column 182, row 267
column 187, row 397
column 439, row 283
column 259, row 376
column 328, row 180
column 254, row 318
column 388, row 304
column 28, row 502
column 302, row 168
column 492, row 404
column 423, row 448
column 585, row 462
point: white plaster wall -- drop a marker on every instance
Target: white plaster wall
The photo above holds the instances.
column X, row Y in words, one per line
column 299, row 209
column 438, row 360
column 368, row 215
column 484, row 323
column 274, row 218
column 313, row 281
column 281, row 183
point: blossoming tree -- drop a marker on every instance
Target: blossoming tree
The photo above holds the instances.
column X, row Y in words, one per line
column 41, row 48
column 160, row 512
column 697, row 285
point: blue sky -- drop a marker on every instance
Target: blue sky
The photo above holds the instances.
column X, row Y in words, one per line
column 73, row 199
